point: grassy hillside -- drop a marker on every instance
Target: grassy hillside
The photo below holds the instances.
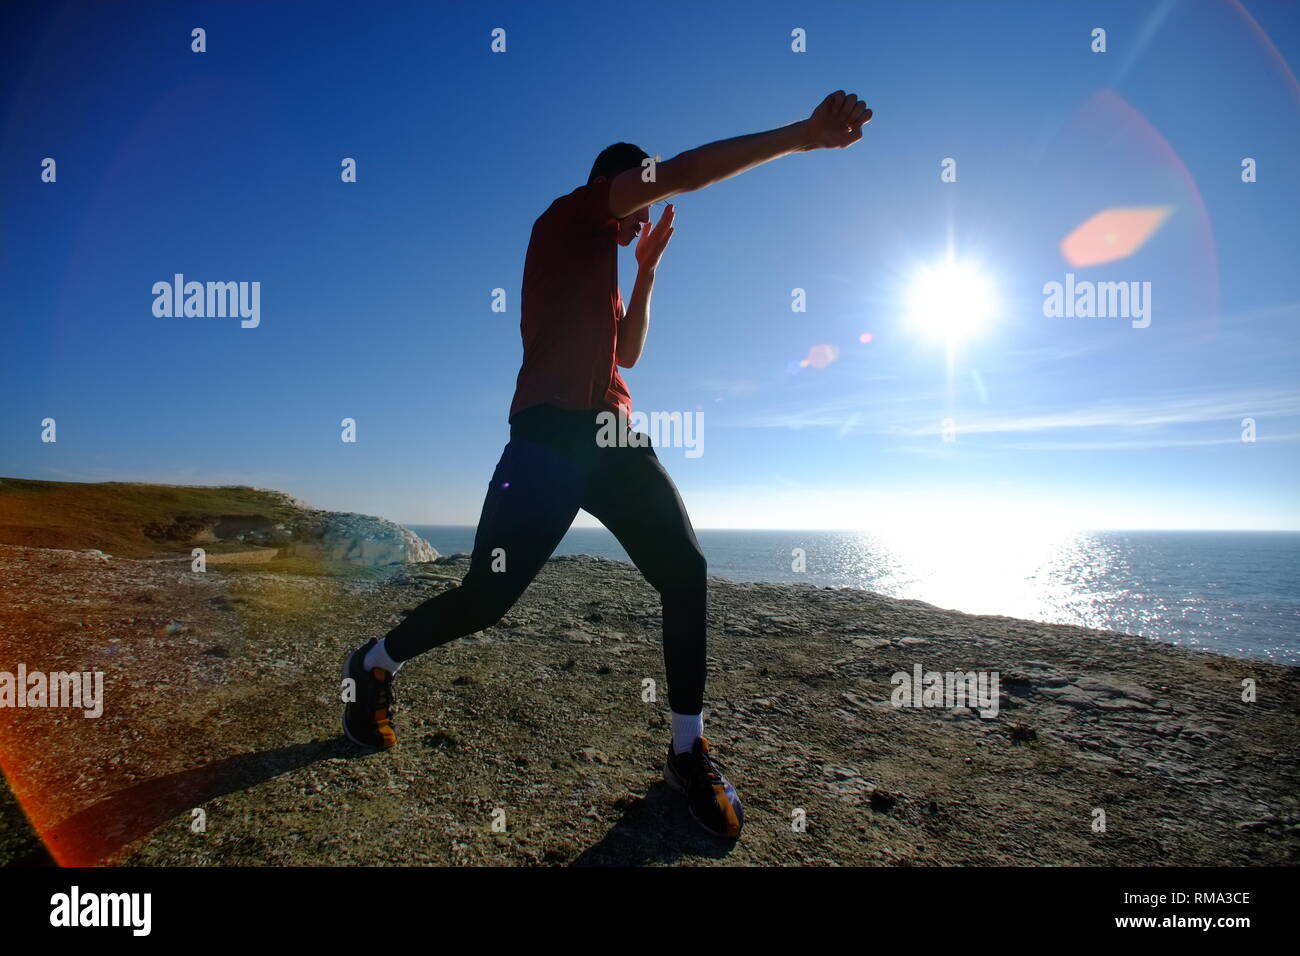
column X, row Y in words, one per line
column 121, row 518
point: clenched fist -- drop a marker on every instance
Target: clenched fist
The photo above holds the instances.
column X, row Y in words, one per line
column 837, row 121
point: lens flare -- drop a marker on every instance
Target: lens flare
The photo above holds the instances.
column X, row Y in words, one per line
column 1112, row 234
column 819, row 356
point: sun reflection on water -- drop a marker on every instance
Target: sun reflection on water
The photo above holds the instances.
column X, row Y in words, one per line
column 1038, row 574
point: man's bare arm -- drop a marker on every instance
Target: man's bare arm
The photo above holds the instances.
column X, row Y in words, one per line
column 634, row 325
column 836, row 123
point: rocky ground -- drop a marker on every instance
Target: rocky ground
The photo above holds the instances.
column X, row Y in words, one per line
column 220, row 741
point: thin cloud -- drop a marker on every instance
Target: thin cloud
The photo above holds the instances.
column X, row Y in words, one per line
column 1102, row 445
column 868, row 413
column 1174, row 411
column 842, row 413
column 732, row 388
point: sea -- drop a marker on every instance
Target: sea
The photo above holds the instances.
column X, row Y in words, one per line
column 1230, row 592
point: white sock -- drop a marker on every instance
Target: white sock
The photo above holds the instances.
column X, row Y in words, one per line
column 687, row 728
column 378, row 657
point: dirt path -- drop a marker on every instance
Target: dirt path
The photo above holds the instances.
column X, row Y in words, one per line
column 222, row 697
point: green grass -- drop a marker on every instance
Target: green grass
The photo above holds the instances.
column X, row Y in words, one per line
column 114, row 516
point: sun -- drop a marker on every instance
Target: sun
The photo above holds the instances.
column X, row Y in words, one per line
column 951, row 301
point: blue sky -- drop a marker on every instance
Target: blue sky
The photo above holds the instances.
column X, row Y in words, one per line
column 376, row 295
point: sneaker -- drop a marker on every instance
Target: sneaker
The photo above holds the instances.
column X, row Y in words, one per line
column 369, row 721
column 710, row 797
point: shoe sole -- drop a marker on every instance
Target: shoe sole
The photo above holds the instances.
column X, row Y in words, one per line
column 344, row 675
column 670, row 778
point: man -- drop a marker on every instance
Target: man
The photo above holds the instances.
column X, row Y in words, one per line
column 576, row 334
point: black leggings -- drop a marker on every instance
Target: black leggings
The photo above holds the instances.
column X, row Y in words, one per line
column 551, row 467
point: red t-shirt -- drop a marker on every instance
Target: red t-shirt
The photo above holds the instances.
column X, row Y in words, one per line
column 570, row 308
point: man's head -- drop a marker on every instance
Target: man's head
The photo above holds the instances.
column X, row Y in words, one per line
column 614, row 160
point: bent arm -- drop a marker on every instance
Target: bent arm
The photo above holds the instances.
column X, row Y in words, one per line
column 635, row 324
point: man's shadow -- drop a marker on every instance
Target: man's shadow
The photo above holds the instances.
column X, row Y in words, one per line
column 97, row 834
column 655, row 829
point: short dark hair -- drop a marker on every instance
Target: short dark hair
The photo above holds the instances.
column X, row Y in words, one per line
column 617, row 159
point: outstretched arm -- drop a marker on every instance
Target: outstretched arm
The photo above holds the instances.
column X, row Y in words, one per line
column 836, row 123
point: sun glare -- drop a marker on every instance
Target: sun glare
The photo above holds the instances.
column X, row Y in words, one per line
column 951, row 301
